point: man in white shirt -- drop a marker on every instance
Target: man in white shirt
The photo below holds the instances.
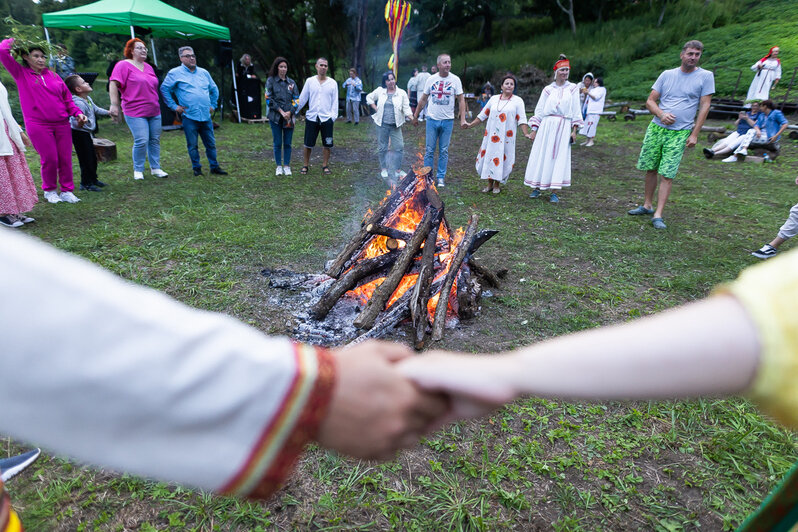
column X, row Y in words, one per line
column 440, row 90
column 320, row 93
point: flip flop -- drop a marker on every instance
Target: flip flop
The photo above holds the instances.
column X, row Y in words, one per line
column 303, row 170
column 326, row 170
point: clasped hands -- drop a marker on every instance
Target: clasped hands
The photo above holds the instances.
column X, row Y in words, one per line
column 386, row 398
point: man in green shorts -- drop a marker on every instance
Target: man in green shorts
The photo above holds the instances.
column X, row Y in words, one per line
column 680, row 92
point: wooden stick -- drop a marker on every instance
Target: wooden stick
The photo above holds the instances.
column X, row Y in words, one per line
column 421, row 292
column 383, row 292
column 348, row 281
column 390, row 232
column 451, row 275
column 406, row 186
column 488, row 276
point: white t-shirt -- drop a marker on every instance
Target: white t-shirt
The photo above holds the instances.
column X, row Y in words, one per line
column 596, row 106
column 421, row 82
column 322, row 99
column 442, row 92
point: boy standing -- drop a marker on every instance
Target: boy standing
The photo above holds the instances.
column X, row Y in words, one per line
column 82, row 136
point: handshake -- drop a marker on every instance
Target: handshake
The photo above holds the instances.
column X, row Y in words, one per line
column 386, row 397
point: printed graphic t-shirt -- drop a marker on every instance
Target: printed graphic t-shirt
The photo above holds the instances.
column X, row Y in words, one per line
column 442, row 92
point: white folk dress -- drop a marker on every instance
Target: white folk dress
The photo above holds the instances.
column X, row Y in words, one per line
column 496, row 157
column 558, row 109
column 594, row 107
column 764, row 78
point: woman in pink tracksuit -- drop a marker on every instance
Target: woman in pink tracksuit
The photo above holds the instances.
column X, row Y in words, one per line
column 46, row 106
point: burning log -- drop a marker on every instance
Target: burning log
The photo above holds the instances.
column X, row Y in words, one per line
column 406, row 186
column 377, row 302
column 468, row 294
column 348, row 281
column 421, row 293
column 390, row 232
column 454, row 267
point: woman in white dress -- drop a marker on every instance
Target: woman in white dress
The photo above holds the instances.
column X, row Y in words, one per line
column 504, row 112
column 768, row 74
column 595, row 97
column 558, row 115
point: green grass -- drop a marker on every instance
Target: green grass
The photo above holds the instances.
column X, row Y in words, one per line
column 541, row 464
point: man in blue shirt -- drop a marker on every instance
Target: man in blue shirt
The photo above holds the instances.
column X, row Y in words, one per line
column 197, row 95
column 749, row 128
column 775, row 124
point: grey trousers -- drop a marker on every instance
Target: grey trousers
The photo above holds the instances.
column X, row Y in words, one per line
column 390, row 157
column 352, row 110
column 790, row 227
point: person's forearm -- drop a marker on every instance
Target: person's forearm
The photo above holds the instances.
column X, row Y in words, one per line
column 653, row 107
column 705, row 348
column 113, row 93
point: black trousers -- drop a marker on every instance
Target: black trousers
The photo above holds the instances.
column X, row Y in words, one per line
column 84, row 147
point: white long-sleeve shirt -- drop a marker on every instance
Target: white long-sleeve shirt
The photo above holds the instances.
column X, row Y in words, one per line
column 321, row 98
column 152, row 387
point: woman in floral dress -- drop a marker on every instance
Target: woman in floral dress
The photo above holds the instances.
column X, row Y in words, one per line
column 17, row 190
column 496, row 157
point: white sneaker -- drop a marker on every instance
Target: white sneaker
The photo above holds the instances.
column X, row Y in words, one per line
column 384, row 173
column 730, row 159
column 69, row 197
column 157, row 173
column 51, row 196
column 138, row 175
column 279, row 171
column 286, row 170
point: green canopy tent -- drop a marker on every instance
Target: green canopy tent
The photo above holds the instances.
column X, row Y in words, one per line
column 122, row 16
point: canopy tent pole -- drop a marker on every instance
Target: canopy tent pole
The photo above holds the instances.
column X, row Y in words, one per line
column 47, row 36
column 235, row 89
column 152, row 45
column 132, row 33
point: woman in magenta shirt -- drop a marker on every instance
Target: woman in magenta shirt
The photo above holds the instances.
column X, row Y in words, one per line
column 135, row 82
column 46, row 107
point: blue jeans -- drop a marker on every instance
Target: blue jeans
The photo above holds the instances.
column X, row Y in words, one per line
column 146, row 132
column 282, row 142
column 205, row 130
column 390, row 159
column 438, row 132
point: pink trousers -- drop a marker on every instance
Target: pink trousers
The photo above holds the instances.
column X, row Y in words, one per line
column 53, row 142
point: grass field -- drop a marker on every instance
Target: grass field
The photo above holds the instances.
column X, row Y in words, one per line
column 534, row 465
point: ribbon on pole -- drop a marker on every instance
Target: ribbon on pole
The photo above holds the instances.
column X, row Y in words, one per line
column 397, row 15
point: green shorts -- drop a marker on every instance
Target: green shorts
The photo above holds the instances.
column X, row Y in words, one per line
column 662, row 150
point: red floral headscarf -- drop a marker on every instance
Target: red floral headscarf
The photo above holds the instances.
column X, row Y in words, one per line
column 770, row 52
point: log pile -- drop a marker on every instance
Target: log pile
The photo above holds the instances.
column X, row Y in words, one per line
column 405, row 261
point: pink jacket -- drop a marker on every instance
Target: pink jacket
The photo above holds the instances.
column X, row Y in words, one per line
column 43, row 97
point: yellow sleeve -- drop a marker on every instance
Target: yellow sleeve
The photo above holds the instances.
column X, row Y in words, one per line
column 769, row 293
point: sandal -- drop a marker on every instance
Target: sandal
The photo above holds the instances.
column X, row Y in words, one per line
column 303, row 170
column 496, row 190
column 326, row 170
column 487, row 189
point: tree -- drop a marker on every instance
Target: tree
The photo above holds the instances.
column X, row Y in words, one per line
column 569, row 11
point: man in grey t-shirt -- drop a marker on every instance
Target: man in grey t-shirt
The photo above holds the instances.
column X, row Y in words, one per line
column 680, row 91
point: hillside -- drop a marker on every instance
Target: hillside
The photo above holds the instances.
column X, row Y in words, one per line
column 631, row 52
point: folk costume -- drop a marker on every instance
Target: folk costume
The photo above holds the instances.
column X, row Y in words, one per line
column 496, row 157
column 594, row 106
column 768, row 71
column 162, row 390
column 557, row 111
column 17, row 189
